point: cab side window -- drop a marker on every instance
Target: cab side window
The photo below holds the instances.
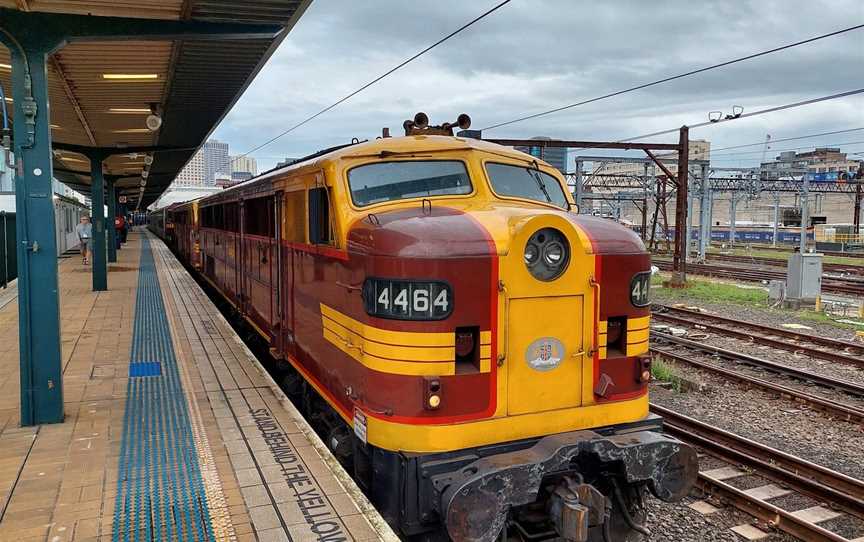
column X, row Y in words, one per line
column 320, row 228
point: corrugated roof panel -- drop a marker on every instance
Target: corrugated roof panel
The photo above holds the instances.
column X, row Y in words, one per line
column 195, row 85
column 149, row 9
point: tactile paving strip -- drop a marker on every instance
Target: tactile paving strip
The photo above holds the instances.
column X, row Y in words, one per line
column 160, row 491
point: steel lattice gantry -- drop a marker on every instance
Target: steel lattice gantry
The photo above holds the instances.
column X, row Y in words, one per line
column 84, row 75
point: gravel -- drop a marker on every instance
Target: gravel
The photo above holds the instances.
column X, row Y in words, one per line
column 759, row 315
column 679, row 523
column 776, row 422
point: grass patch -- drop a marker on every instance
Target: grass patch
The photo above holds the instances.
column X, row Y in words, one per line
column 662, row 371
column 716, row 292
column 822, row 318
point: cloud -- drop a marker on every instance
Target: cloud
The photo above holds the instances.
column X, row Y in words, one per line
column 535, row 55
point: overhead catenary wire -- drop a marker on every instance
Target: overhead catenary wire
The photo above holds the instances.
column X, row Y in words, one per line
column 751, row 114
column 808, row 136
column 379, row 78
column 674, row 77
column 741, row 116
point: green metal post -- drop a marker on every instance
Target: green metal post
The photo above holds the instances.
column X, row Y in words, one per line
column 97, row 197
column 112, row 214
column 38, row 306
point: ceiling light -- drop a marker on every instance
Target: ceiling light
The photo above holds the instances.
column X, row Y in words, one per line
column 8, row 99
column 132, row 131
column 130, row 110
column 130, row 76
column 5, row 67
column 56, row 127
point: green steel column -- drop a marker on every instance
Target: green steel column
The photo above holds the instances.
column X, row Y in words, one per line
column 38, row 306
column 112, row 214
column 97, row 197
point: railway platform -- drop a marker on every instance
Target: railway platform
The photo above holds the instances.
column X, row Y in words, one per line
column 172, row 430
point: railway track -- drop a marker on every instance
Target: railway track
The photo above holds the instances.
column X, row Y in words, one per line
column 857, row 270
column 836, row 285
column 789, row 250
column 787, row 472
column 676, row 349
column 814, row 346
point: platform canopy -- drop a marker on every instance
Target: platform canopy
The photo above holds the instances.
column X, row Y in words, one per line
column 102, row 87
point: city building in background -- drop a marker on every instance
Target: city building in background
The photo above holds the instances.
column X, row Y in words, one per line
column 820, row 162
column 216, row 161
column 700, row 149
column 286, row 161
column 243, row 167
column 193, row 173
column 555, row 156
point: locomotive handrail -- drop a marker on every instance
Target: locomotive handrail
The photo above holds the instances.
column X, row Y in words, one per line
column 595, row 285
column 503, row 355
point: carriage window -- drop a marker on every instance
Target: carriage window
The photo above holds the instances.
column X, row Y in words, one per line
column 528, row 183
column 232, row 217
column 319, row 217
column 258, row 217
column 388, row 181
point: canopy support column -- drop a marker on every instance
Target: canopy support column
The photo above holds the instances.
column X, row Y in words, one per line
column 97, row 197
column 112, row 215
column 38, row 305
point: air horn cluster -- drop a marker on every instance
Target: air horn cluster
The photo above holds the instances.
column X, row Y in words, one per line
column 420, row 125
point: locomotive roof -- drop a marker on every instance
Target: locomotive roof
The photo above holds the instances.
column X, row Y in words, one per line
column 384, row 147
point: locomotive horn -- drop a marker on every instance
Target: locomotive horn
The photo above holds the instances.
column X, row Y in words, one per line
column 463, row 121
column 421, row 120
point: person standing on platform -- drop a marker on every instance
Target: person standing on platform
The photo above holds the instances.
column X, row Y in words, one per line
column 85, row 231
column 120, row 229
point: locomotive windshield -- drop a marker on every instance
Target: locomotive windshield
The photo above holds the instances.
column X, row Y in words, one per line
column 388, row 181
column 528, row 183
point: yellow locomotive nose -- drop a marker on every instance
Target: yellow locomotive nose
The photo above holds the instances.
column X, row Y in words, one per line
column 547, row 286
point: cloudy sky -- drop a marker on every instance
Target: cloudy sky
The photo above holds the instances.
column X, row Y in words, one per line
column 534, row 55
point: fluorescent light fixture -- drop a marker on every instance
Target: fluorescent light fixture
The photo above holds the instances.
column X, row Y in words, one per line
column 130, row 110
column 5, row 66
column 130, row 76
column 56, row 127
column 132, row 131
column 8, row 99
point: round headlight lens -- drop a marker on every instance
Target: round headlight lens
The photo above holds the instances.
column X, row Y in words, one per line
column 532, row 254
column 553, row 254
column 547, row 254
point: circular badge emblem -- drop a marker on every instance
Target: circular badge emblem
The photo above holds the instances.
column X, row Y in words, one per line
column 544, row 354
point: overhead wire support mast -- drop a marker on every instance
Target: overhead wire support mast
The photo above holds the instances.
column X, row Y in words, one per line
column 679, row 76
column 379, row 78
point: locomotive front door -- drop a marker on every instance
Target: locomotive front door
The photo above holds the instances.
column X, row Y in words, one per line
column 545, row 353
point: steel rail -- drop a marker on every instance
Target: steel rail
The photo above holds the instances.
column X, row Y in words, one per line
column 845, row 386
column 829, row 284
column 790, row 249
column 780, row 263
column 819, row 482
column 840, row 410
column 842, row 352
column 803, row 476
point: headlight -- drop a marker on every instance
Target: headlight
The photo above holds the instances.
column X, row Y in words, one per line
column 547, row 254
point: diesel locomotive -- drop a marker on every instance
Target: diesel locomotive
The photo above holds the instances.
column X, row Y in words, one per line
column 473, row 350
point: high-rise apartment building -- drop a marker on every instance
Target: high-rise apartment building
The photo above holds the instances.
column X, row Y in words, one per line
column 193, row 173
column 216, row 161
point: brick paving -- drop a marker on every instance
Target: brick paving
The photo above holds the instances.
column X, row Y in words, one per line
column 266, row 475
